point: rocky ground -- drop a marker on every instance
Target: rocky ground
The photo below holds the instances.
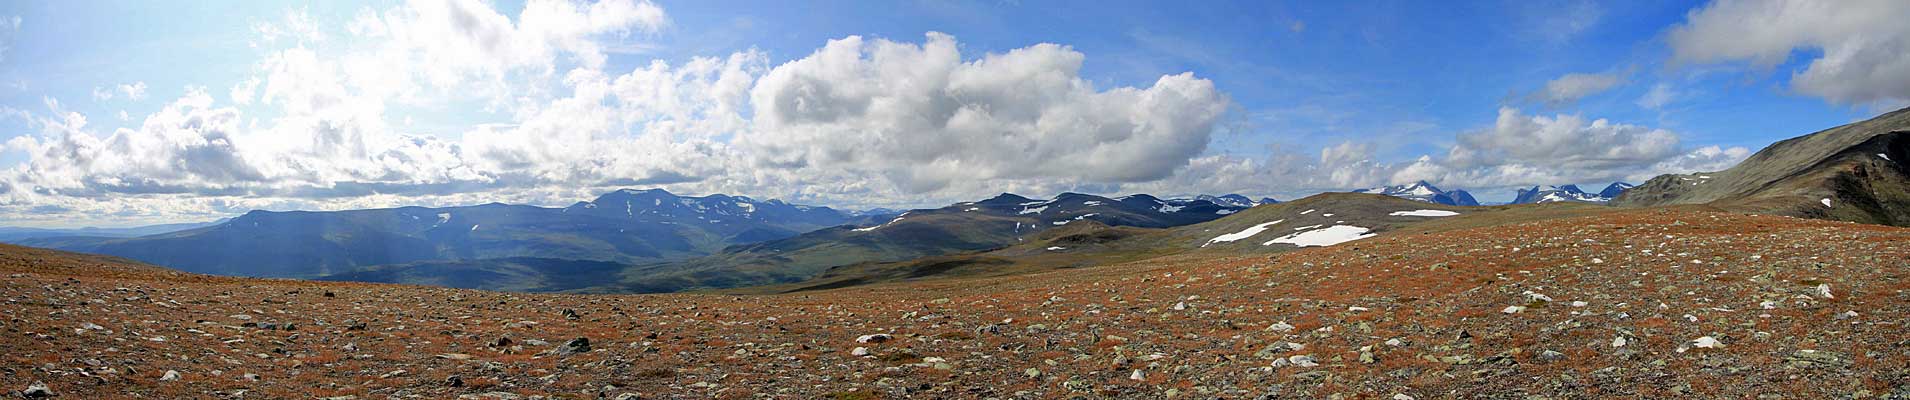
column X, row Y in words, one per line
column 1640, row 304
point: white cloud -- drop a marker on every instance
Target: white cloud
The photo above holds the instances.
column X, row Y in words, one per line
column 1864, row 44
column 858, row 122
column 9, row 26
column 134, row 91
column 924, row 118
column 1517, row 150
column 1658, row 97
column 131, row 91
column 1569, row 88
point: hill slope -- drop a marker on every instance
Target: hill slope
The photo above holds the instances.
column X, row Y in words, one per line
column 1001, row 221
column 1853, row 172
column 1321, row 220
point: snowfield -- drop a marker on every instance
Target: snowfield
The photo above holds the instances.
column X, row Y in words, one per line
column 1424, row 213
column 1324, row 237
column 891, row 222
column 1243, row 234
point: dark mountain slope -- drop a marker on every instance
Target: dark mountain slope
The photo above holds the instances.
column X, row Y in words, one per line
column 1853, row 172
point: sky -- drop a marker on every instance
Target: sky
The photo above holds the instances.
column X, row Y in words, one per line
column 127, row 113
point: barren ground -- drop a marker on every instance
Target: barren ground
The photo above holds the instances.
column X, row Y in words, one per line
column 1637, row 304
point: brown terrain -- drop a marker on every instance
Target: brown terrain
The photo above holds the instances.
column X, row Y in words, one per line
column 1655, row 303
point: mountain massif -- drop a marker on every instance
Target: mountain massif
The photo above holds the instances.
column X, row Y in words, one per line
column 1425, row 192
column 1571, row 193
column 984, row 225
column 1853, row 172
column 625, row 226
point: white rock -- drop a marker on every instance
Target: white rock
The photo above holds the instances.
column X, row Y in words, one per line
column 1706, row 342
column 1619, row 341
column 169, row 376
column 875, row 338
column 1512, row 309
column 1137, row 375
column 1536, row 296
column 860, row 352
column 1580, row 304
column 1302, row 361
column 1357, row 309
column 1402, row 396
column 1823, row 290
column 1281, row 326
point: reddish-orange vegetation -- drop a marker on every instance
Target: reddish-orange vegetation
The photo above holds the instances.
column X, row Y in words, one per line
column 1613, row 305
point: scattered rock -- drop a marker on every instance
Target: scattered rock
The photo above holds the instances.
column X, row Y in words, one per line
column 37, row 389
column 573, row 346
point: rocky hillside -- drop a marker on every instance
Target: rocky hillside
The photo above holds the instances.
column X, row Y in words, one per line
column 1854, row 172
column 1630, row 304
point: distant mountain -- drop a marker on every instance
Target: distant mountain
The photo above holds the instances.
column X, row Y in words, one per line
column 1234, row 200
column 1612, row 191
column 992, row 223
column 17, row 234
column 874, row 212
column 1425, row 192
column 1854, row 172
column 626, row 226
column 1571, row 193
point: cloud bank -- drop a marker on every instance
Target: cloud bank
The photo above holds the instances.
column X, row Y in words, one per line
column 322, row 123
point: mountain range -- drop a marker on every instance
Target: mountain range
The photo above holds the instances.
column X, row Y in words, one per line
column 624, row 226
column 993, row 223
column 1571, row 193
column 18, row 234
column 1425, row 192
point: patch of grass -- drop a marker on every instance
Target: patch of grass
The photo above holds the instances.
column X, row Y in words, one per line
column 856, row 395
column 900, row 357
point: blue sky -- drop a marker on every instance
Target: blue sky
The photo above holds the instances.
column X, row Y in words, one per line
column 350, row 106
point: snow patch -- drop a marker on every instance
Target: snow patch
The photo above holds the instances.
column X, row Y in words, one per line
column 1057, row 248
column 1306, row 212
column 1243, row 234
column 1224, row 212
column 1424, row 213
column 1826, row 202
column 1325, row 236
column 1885, row 157
column 1170, row 208
column 1036, row 210
column 891, row 222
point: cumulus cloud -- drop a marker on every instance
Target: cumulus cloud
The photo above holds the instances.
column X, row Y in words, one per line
column 859, row 121
column 1863, row 46
column 1568, row 89
column 1518, row 150
column 924, row 117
